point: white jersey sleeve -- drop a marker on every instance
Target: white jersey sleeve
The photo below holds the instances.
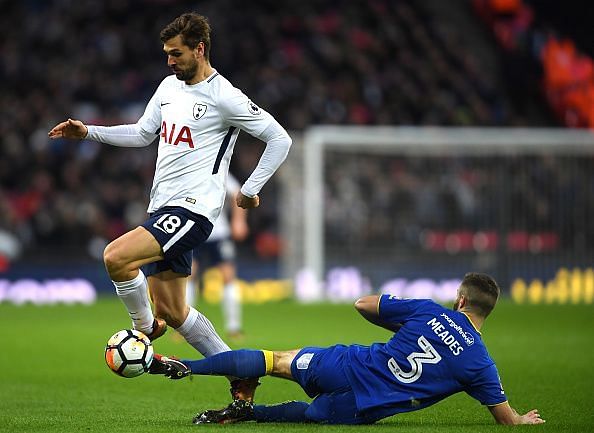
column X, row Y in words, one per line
column 121, row 135
column 239, row 111
column 278, row 143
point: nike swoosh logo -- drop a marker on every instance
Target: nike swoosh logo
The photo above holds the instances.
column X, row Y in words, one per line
column 165, row 103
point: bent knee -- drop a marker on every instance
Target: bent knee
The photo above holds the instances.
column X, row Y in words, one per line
column 115, row 262
column 282, row 363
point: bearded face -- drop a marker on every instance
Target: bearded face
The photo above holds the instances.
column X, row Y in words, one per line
column 181, row 59
column 187, row 71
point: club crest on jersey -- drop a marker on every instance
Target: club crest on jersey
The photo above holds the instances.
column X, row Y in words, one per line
column 253, row 108
column 199, row 110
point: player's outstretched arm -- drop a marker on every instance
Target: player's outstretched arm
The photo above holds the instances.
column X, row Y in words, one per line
column 71, row 128
column 505, row 414
column 367, row 306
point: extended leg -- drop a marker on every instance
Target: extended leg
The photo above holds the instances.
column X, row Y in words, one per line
column 247, row 364
column 290, row 411
column 250, row 363
column 244, row 363
column 239, row 363
column 240, row 410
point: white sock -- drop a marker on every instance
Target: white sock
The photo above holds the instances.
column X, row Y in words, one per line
column 134, row 295
column 190, row 292
column 232, row 307
column 199, row 332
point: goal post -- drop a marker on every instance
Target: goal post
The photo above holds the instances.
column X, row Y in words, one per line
column 323, row 155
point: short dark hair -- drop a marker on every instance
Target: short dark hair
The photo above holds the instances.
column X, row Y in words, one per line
column 193, row 28
column 481, row 292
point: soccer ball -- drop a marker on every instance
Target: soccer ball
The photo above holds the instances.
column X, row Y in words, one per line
column 129, row 353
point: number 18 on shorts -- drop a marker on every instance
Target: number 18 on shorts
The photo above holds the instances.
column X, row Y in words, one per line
column 177, row 230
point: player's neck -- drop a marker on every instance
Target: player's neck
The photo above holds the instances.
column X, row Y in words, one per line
column 204, row 71
column 477, row 321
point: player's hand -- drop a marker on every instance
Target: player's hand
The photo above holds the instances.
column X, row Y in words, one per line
column 532, row 417
column 74, row 129
column 245, row 202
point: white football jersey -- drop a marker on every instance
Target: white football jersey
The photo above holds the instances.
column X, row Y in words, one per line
column 198, row 126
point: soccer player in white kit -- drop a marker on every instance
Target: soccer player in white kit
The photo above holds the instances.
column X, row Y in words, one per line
column 197, row 115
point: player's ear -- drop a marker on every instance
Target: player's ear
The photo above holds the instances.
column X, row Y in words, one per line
column 459, row 302
column 199, row 50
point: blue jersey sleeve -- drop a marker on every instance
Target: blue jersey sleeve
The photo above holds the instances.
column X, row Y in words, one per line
column 397, row 310
column 486, row 387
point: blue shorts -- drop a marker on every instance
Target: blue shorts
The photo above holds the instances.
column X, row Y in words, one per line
column 320, row 372
column 213, row 253
column 178, row 231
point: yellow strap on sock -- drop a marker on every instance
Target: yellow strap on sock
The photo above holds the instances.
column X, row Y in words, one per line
column 269, row 360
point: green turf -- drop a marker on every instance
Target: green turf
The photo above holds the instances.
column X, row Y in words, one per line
column 53, row 377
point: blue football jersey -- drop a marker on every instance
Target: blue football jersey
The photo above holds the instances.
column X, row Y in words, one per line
column 438, row 352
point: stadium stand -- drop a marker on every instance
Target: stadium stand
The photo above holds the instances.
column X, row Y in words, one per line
column 316, row 62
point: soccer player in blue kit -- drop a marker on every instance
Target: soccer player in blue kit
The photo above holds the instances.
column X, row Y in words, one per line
column 435, row 352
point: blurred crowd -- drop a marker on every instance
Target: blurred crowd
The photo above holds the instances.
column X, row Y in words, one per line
column 470, row 204
column 313, row 62
column 567, row 75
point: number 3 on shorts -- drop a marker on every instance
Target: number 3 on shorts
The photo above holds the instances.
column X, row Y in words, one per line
column 168, row 223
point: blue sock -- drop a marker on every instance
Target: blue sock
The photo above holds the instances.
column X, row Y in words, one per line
column 239, row 363
column 291, row 411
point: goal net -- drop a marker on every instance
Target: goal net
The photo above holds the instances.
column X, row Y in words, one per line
column 410, row 210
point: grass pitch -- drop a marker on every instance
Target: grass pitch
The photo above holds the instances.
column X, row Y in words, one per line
column 53, row 377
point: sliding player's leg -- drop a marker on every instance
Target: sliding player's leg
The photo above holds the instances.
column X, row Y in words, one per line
column 243, row 363
column 319, row 372
column 241, row 410
column 250, row 364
